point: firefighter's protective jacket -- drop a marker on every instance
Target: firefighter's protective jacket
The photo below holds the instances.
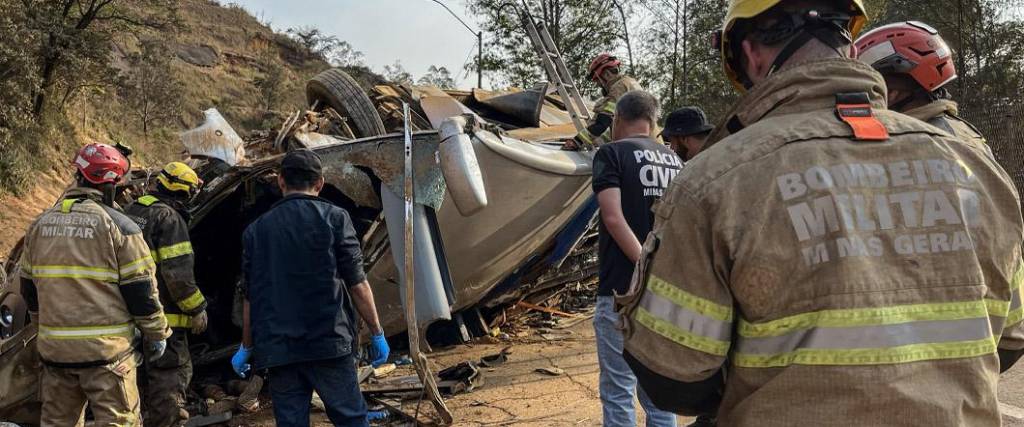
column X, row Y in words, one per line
column 87, row 272
column 166, row 233
column 835, row 281
column 944, row 114
column 598, row 131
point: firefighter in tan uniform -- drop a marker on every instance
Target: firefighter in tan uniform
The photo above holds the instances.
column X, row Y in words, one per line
column 603, row 70
column 161, row 215
column 918, row 65
column 87, row 278
column 828, row 262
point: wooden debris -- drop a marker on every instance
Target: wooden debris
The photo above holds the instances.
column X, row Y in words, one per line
column 384, row 370
column 548, row 310
column 552, row 371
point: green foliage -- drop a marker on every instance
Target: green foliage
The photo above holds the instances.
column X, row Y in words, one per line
column 437, row 76
column 318, row 45
column 396, row 73
column 985, row 36
column 678, row 64
column 273, row 84
column 151, row 91
column 580, row 28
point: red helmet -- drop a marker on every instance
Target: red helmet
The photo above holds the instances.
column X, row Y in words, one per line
column 600, row 63
column 912, row 48
column 101, row 164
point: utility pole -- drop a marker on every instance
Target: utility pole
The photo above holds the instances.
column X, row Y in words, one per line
column 480, row 59
column 479, row 45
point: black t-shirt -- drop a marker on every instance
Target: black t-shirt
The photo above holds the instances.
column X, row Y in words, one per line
column 641, row 168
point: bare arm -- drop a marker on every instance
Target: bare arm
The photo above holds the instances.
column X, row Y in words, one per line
column 610, row 202
column 362, row 296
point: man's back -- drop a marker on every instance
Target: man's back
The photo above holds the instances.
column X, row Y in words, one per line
column 81, row 255
column 857, row 277
column 641, row 168
column 298, row 256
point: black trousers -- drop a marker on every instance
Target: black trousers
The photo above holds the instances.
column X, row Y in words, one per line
column 335, row 380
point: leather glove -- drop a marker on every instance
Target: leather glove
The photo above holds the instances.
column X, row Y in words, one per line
column 379, row 350
column 156, row 349
column 199, row 322
column 240, row 361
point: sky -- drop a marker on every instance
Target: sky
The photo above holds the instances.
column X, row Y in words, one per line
column 420, row 33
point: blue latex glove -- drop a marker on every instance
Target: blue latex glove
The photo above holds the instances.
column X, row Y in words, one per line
column 156, row 349
column 376, row 415
column 240, row 361
column 379, row 350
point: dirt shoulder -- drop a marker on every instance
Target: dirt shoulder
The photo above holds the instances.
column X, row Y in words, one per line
column 16, row 213
column 514, row 393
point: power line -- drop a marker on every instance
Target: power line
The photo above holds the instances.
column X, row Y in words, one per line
column 457, row 17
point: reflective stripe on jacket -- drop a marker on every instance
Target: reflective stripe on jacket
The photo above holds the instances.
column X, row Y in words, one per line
column 167, row 235
column 606, row 106
column 90, row 276
column 835, row 281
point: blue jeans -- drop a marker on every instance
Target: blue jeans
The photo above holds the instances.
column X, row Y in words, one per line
column 617, row 383
column 335, row 380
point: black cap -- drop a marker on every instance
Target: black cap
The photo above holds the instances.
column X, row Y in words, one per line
column 686, row 121
column 302, row 160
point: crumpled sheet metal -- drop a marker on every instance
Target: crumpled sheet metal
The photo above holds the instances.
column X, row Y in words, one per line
column 355, row 183
column 384, row 158
column 20, row 370
column 215, row 138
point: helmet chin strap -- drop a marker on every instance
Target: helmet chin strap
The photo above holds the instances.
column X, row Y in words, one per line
column 828, row 28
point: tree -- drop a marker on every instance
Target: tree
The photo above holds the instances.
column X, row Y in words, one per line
column 76, row 35
column 580, row 28
column 151, row 91
column 273, row 84
column 985, row 36
column 342, row 54
column 396, row 73
column 678, row 66
column 338, row 53
column 437, row 76
column 17, row 66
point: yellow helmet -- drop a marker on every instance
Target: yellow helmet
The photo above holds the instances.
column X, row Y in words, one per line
column 177, row 176
column 747, row 9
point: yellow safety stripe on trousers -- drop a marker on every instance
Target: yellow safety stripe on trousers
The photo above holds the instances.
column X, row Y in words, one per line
column 192, row 301
column 137, row 265
column 74, row 272
column 178, row 320
column 863, row 317
column 173, row 251
column 680, row 336
column 85, row 332
column 688, row 301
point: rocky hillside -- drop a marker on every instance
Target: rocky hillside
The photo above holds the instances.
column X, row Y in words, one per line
column 218, row 53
